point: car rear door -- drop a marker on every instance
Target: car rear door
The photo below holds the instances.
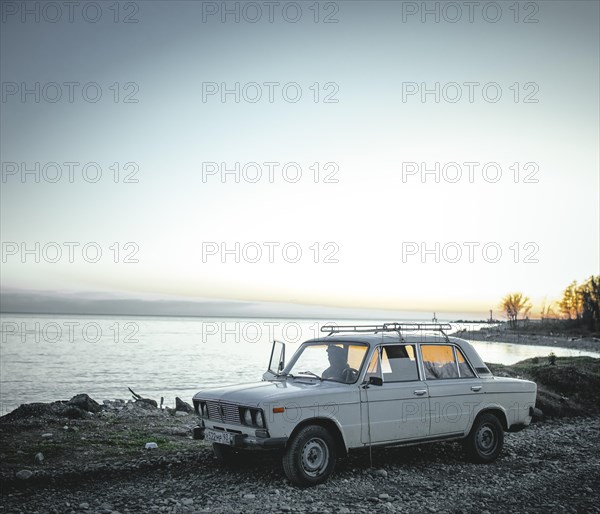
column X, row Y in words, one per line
column 454, row 389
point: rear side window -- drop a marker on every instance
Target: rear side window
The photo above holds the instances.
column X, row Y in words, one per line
column 463, row 366
column 440, row 362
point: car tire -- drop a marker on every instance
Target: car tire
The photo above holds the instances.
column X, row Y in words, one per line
column 485, row 440
column 225, row 454
column 309, row 458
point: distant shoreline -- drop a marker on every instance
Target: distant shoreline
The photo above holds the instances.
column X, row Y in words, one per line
column 514, row 337
column 211, row 316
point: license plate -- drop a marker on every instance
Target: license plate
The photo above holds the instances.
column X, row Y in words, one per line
column 216, row 436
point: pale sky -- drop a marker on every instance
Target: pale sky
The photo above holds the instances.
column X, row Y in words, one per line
column 373, row 223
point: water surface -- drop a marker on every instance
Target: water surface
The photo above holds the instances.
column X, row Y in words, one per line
column 47, row 358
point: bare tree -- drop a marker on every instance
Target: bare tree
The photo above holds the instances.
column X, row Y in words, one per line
column 547, row 310
column 513, row 304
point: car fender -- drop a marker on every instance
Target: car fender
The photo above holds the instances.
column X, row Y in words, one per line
column 494, row 408
column 330, row 423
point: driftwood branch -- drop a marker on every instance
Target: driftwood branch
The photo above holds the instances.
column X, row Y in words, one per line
column 140, row 398
column 135, row 395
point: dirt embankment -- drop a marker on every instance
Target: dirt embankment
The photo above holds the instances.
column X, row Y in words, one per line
column 60, row 439
column 569, row 387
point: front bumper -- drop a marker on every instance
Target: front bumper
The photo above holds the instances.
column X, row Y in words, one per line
column 247, row 441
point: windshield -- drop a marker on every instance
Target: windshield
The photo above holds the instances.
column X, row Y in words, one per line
column 339, row 362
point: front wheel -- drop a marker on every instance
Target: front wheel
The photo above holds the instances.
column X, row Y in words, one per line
column 310, row 457
column 486, row 439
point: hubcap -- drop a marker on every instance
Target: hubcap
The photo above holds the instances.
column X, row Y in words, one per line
column 486, row 439
column 315, row 457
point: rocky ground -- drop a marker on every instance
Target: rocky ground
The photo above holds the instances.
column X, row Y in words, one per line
column 80, row 457
column 550, row 467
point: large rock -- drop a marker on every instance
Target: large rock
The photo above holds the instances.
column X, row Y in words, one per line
column 43, row 411
column 182, row 406
column 78, row 407
column 146, row 403
column 31, row 410
column 73, row 412
column 84, row 402
column 24, row 474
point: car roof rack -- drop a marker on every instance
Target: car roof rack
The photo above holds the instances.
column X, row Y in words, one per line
column 388, row 327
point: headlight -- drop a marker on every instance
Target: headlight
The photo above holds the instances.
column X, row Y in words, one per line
column 247, row 417
column 259, row 419
column 204, row 410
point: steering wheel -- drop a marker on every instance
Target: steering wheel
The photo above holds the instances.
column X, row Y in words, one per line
column 349, row 375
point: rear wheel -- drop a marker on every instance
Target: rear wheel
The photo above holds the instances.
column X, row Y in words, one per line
column 310, row 458
column 486, row 439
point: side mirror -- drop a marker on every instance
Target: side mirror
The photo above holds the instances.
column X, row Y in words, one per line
column 376, row 381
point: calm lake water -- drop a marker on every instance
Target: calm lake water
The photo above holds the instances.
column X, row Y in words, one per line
column 47, row 358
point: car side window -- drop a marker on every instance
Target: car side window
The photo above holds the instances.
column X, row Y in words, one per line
column 463, row 366
column 398, row 363
column 439, row 362
column 394, row 363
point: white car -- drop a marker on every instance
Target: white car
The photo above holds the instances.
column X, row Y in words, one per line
column 365, row 385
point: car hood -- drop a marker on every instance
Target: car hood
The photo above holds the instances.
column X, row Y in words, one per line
column 255, row 393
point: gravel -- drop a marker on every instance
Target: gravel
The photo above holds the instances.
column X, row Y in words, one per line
column 552, row 466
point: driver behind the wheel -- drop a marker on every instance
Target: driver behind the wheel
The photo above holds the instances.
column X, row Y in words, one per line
column 337, row 363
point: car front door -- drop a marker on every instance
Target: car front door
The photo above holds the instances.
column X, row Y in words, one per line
column 398, row 409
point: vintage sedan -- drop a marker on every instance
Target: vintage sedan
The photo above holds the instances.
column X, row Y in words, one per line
column 361, row 386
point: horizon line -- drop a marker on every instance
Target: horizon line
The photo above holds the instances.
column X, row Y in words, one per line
column 91, row 314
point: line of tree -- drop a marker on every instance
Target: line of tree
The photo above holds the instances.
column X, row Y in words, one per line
column 579, row 305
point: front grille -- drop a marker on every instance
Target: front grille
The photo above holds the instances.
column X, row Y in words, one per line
column 224, row 412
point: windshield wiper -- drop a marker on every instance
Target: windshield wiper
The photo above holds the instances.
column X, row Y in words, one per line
column 310, row 373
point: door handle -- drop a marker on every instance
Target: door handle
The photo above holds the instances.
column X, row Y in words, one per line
column 420, row 392
column 476, row 388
